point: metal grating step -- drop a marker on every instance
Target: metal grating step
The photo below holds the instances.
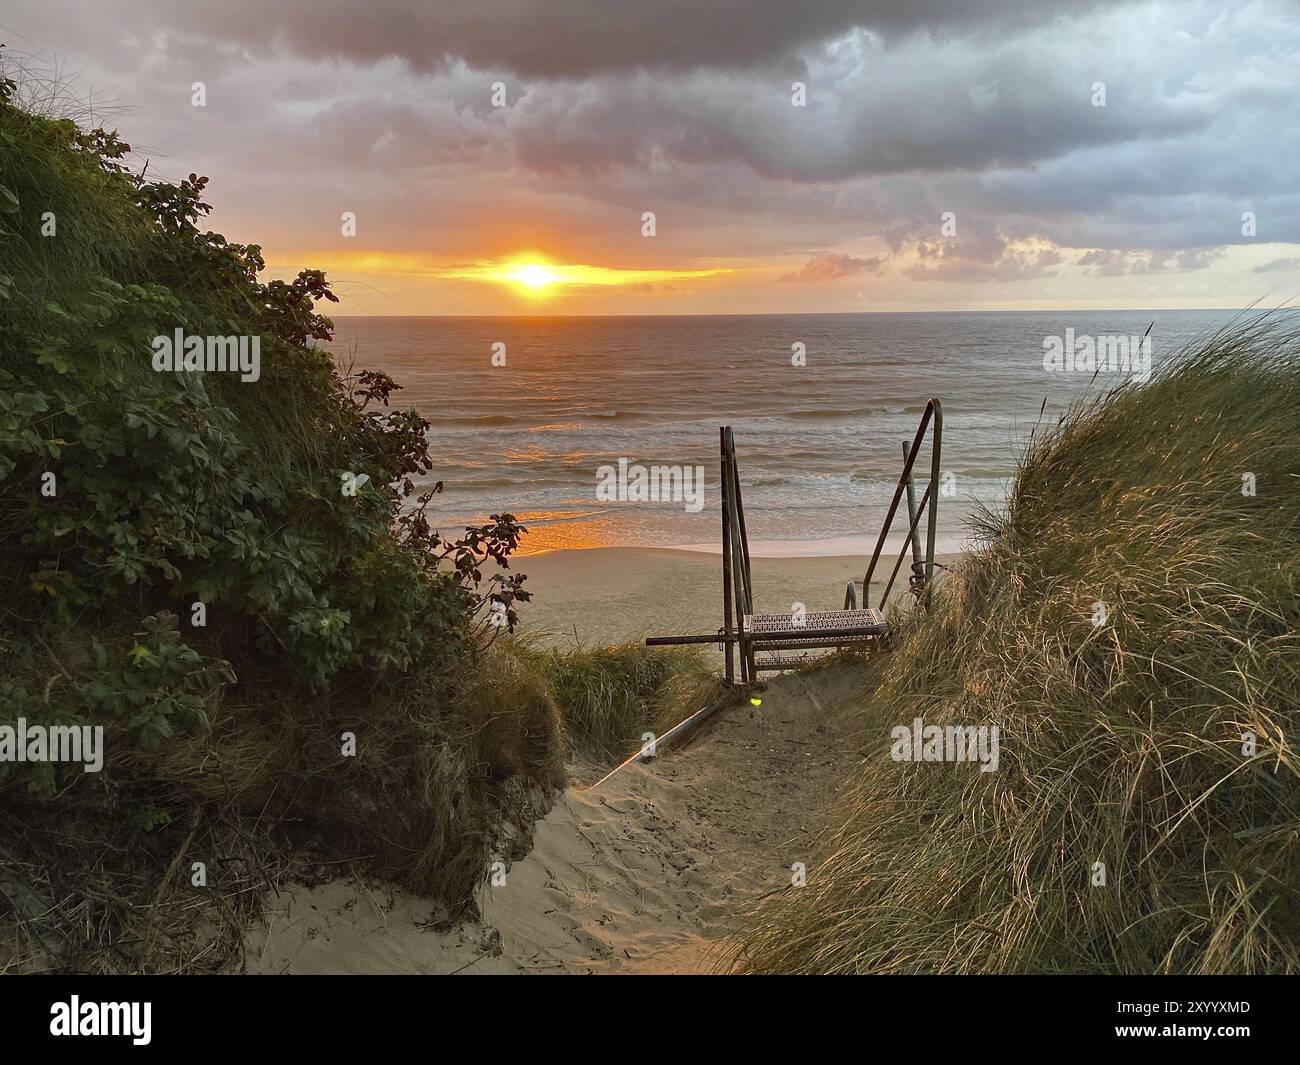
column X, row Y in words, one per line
column 819, row 627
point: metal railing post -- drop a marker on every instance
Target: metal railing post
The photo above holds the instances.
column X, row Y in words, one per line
column 933, row 412
column 742, row 578
column 918, row 573
column 932, row 532
column 728, row 627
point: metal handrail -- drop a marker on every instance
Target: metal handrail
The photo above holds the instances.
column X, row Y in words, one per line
column 737, row 579
column 933, row 412
column 898, row 563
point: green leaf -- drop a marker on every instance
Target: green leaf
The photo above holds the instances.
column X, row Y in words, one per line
column 56, row 360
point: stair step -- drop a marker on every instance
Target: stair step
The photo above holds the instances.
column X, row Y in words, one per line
column 819, row 628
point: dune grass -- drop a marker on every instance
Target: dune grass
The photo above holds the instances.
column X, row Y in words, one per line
column 1155, row 750
column 609, row 697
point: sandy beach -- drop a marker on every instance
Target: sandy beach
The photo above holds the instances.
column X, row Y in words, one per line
column 608, row 595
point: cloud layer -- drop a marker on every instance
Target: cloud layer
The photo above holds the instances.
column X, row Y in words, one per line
column 828, row 140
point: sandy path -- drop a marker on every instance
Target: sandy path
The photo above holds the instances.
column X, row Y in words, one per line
column 649, row 873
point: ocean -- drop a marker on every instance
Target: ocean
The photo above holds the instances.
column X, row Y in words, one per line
column 819, row 445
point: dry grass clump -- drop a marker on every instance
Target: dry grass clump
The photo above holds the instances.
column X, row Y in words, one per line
column 1126, row 743
column 100, row 878
column 512, row 720
column 610, row 696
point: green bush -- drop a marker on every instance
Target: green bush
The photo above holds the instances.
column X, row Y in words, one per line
column 228, row 576
column 126, row 492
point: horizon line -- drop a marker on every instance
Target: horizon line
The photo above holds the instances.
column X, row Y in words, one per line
column 824, row 314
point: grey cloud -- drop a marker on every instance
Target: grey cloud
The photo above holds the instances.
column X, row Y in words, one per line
column 980, row 253
column 830, row 266
column 323, row 107
column 921, row 107
column 1196, row 258
column 578, row 38
column 1278, row 265
column 1107, row 262
column 1011, row 266
column 1117, row 262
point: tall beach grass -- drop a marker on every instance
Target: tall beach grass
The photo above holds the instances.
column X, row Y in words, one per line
column 1132, row 626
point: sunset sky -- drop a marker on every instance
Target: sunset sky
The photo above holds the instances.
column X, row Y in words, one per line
column 687, row 110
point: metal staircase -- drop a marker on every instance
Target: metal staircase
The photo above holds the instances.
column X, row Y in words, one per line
column 768, row 642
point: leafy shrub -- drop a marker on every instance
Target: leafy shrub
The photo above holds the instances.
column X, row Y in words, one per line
column 128, row 497
column 126, row 492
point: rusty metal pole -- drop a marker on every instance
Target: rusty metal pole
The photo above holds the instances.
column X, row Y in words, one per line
column 726, row 557
column 933, row 523
column 918, row 571
column 745, row 582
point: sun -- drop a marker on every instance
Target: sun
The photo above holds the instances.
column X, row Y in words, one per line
column 534, row 276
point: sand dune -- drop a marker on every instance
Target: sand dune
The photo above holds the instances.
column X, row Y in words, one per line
column 648, row 873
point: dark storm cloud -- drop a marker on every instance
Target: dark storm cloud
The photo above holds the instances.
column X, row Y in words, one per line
column 914, row 110
column 581, row 38
column 977, row 111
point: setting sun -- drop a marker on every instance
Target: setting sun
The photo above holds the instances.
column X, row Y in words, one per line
column 533, row 276
column 536, row 276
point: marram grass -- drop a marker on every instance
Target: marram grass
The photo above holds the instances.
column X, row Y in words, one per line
column 609, row 697
column 1126, row 746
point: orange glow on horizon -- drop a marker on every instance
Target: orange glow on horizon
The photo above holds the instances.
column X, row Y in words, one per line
column 536, row 276
column 529, row 274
